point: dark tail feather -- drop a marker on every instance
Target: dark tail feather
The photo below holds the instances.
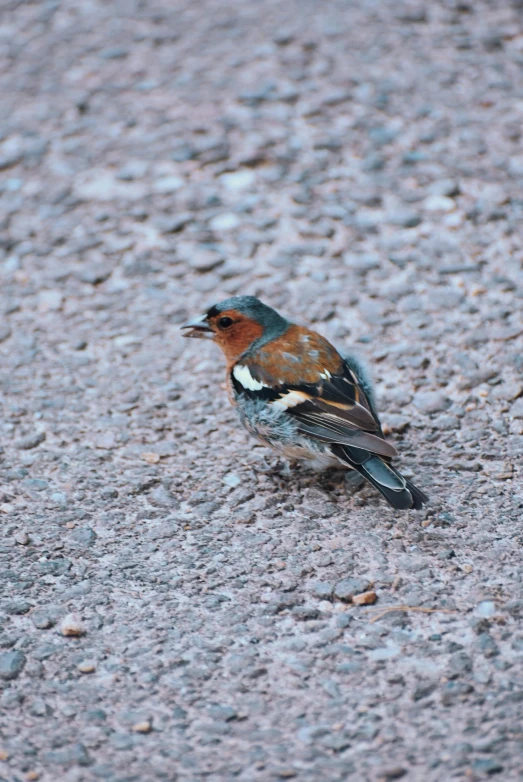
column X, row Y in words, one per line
column 419, row 498
column 397, row 490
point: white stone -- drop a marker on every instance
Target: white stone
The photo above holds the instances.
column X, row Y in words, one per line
column 168, row 184
column 232, row 480
column 50, row 300
column 225, row 222
column 439, row 203
column 101, row 185
column 238, row 180
column 72, row 625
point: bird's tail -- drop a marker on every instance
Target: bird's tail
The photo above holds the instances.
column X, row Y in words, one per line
column 397, row 490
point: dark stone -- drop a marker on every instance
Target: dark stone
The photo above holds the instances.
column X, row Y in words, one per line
column 94, row 275
column 323, row 589
column 168, row 224
column 487, row 766
column 17, row 607
column 55, row 567
column 423, row 691
column 11, row 665
column 373, row 163
column 304, row 613
column 42, row 620
column 404, row 219
column 453, row 690
column 390, row 773
column 84, row 537
column 7, row 641
column 486, row 645
column 460, row 663
column 225, row 713
column 109, row 493
column 31, row 441
column 514, row 608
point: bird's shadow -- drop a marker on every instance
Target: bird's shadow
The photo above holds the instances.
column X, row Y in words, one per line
column 285, row 474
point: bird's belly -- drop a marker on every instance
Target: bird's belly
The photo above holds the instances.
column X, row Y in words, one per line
column 276, row 430
column 317, row 459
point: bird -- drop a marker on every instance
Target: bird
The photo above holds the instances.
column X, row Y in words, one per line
column 296, row 393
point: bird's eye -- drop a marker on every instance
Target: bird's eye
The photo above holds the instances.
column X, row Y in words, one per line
column 224, row 323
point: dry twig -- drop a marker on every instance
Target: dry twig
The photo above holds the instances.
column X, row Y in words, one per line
column 419, row 609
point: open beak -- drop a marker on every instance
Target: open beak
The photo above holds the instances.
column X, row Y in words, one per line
column 199, row 328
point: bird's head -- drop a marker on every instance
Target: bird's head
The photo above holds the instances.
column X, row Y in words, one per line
column 236, row 324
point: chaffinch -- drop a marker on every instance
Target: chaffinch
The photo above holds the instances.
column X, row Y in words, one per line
column 296, row 393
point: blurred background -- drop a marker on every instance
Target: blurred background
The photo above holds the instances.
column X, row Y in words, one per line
column 359, row 166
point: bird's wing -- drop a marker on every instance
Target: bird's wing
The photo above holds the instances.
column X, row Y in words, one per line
column 331, row 407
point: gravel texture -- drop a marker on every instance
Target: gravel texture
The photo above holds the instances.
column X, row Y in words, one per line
column 175, row 604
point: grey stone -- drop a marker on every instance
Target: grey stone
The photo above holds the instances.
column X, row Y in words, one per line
column 305, row 613
column 372, row 163
column 204, row 260
column 429, row 402
column 389, row 773
column 94, row 275
column 31, row 441
column 460, row 663
column 68, row 755
column 444, row 187
column 222, row 712
column 346, row 589
column 486, row 645
column 83, row 537
column 514, row 607
column 167, row 224
column 323, row 589
column 11, row 665
column 487, row 766
column 7, row 641
column 404, row 218
column 10, row 160
column 454, row 691
column 17, row 607
column 42, row 619
column 113, row 53
column 363, row 263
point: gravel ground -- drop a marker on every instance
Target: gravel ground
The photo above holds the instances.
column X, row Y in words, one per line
column 175, row 603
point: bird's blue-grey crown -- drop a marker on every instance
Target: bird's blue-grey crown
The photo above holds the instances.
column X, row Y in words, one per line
column 273, row 323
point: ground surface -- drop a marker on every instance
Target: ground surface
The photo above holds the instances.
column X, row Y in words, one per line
column 359, row 166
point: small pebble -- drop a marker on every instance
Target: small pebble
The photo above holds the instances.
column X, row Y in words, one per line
column 439, row 203
column 232, row 480
column 142, row 727
column 22, row 538
column 365, row 599
column 150, row 457
column 225, row 222
column 238, row 180
column 72, row 626
column 86, row 666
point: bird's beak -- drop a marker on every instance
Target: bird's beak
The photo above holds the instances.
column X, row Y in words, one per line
column 200, row 329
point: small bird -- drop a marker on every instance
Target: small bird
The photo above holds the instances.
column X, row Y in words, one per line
column 296, row 393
